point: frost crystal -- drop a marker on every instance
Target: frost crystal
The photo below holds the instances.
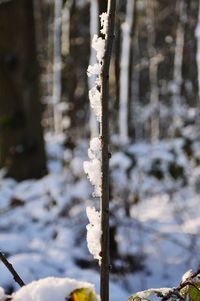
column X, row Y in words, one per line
column 94, row 150
column 93, row 167
column 99, row 45
column 94, row 232
column 187, row 275
column 104, row 23
column 94, row 70
column 95, row 102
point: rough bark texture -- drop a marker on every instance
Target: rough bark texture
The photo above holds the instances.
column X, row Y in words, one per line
column 21, row 142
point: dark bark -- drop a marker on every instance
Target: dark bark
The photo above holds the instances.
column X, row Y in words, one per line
column 21, row 140
column 9, row 266
column 104, row 136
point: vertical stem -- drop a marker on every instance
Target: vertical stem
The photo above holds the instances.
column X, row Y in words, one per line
column 104, row 136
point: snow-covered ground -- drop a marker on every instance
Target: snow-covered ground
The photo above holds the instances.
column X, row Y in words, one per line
column 43, row 222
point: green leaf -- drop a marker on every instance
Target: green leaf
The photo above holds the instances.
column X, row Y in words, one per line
column 194, row 292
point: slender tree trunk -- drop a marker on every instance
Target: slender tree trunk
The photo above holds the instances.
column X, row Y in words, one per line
column 124, row 71
column 104, row 136
column 178, row 60
column 135, row 105
column 57, row 64
column 94, row 27
column 153, row 73
column 21, row 140
column 198, row 51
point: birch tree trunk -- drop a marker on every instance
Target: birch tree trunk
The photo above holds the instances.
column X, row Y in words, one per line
column 178, row 61
column 153, row 73
column 137, row 124
column 124, row 71
column 94, row 28
column 57, row 64
column 198, row 51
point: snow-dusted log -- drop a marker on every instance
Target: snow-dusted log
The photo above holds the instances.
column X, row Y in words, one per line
column 94, row 12
column 57, row 64
column 124, row 71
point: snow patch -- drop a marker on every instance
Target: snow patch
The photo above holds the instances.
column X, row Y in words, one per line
column 50, row 288
column 94, row 232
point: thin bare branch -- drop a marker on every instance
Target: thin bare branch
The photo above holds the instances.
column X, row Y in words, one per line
column 183, row 284
column 9, row 266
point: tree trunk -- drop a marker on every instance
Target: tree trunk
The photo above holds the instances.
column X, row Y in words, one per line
column 21, row 140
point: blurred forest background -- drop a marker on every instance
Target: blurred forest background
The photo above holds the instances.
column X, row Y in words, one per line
column 46, row 123
column 45, row 52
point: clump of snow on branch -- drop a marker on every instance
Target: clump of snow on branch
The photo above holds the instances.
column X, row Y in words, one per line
column 94, row 232
column 95, row 102
column 144, row 295
column 98, row 43
column 104, row 23
column 50, row 288
column 187, row 275
column 93, row 70
column 93, row 167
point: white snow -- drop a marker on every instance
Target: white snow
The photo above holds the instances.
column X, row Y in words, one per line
column 99, row 45
column 104, row 23
column 95, row 102
column 94, row 232
column 93, row 167
column 50, row 288
column 94, row 70
column 187, row 275
column 45, row 234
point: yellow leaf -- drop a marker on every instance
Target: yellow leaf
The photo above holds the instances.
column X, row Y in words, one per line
column 83, row 294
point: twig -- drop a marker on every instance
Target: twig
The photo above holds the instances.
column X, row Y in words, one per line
column 9, row 266
column 182, row 285
column 104, row 137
